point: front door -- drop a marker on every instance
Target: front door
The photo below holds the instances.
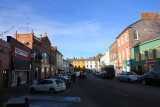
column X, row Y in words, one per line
column 5, row 79
column 139, row 68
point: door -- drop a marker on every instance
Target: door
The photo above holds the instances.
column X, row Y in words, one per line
column 139, row 68
column 5, row 79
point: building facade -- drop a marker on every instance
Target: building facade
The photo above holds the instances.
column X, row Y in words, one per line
column 5, row 60
column 146, row 55
column 42, row 55
column 131, row 35
column 92, row 64
column 104, row 60
column 20, row 62
column 59, row 57
column 113, row 56
column 79, row 64
column 66, row 66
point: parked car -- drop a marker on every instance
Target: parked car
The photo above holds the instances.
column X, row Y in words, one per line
column 66, row 80
column 48, row 85
column 151, row 78
column 107, row 72
column 129, row 77
column 97, row 73
column 82, row 74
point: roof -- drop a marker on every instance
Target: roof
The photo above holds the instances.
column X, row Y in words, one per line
column 127, row 28
column 147, row 38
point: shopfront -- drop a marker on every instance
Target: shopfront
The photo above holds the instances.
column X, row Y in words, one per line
column 20, row 62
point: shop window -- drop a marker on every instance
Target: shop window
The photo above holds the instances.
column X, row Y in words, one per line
column 137, row 55
column 158, row 51
column 142, row 55
column 150, row 53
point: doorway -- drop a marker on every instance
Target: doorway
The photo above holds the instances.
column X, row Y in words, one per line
column 139, row 69
column 5, row 79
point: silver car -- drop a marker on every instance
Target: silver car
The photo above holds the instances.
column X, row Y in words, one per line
column 48, row 85
column 129, row 77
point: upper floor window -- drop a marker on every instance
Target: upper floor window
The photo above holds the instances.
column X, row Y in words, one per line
column 127, row 53
column 136, row 34
column 137, row 55
column 126, row 37
column 123, row 55
column 150, row 53
column 119, row 56
column 36, row 55
column 78, row 62
column 45, row 58
column 142, row 55
column 75, row 62
column 158, row 51
column 122, row 41
column 119, row 42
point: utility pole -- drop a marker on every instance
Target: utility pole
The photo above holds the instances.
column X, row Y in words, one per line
column 27, row 23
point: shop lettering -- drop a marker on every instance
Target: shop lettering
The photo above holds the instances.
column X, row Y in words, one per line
column 21, row 52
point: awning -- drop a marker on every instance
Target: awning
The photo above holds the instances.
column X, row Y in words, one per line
column 20, row 64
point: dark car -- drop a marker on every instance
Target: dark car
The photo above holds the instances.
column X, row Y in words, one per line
column 151, row 78
column 66, row 80
column 108, row 72
column 82, row 74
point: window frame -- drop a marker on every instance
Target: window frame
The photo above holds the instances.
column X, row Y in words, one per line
column 136, row 55
column 122, row 40
column 149, row 55
column 142, row 54
column 136, row 32
column 157, row 51
column 126, row 37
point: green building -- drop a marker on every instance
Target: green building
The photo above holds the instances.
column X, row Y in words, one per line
column 145, row 56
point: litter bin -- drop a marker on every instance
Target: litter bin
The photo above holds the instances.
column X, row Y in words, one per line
column 18, row 102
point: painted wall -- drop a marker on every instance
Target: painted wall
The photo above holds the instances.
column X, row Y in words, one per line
column 151, row 45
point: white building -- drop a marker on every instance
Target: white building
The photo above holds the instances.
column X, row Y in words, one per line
column 104, row 60
column 59, row 62
column 66, row 66
column 92, row 64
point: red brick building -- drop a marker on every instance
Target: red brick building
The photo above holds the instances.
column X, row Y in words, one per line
column 5, row 72
column 20, row 61
column 43, row 54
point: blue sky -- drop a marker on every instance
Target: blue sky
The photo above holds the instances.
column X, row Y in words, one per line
column 79, row 28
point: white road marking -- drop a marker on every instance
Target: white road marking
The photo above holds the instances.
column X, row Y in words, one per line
column 121, row 93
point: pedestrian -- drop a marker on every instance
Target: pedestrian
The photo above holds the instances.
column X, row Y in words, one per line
column 73, row 77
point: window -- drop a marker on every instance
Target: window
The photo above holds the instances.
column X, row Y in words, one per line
column 122, row 41
column 90, row 66
column 119, row 56
column 127, row 53
column 137, row 55
column 126, row 37
column 158, row 51
column 135, row 34
column 123, row 54
column 142, row 55
column 75, row 62
column 150, row 53
column 78, row 62
column 45, row 58
column 119, row 42
column 87, row 66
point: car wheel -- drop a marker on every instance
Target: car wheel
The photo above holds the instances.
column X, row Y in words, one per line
column 51, row 91
column 144, row 82
column 32, row 90
column 129, row 80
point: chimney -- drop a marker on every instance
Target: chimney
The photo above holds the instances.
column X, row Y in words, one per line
column 45, row 34
column 40, row 36
column 15, row 35
column 149, row 15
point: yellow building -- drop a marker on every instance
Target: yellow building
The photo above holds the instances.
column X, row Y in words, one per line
column 79, row 64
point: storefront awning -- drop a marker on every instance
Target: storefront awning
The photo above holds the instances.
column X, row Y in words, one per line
column 20, row 64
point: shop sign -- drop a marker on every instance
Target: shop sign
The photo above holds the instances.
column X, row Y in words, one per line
column 21, row 52
column 151, row 61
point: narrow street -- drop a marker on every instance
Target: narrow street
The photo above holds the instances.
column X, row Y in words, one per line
column 96, row 92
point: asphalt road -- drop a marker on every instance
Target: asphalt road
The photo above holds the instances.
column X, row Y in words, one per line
column 96, row 92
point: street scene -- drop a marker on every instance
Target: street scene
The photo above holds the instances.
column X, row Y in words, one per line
column 83, row 53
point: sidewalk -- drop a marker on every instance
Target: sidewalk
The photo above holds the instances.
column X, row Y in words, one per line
column 13, row 92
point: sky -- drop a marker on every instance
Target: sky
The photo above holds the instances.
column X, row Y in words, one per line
column 79, row 28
